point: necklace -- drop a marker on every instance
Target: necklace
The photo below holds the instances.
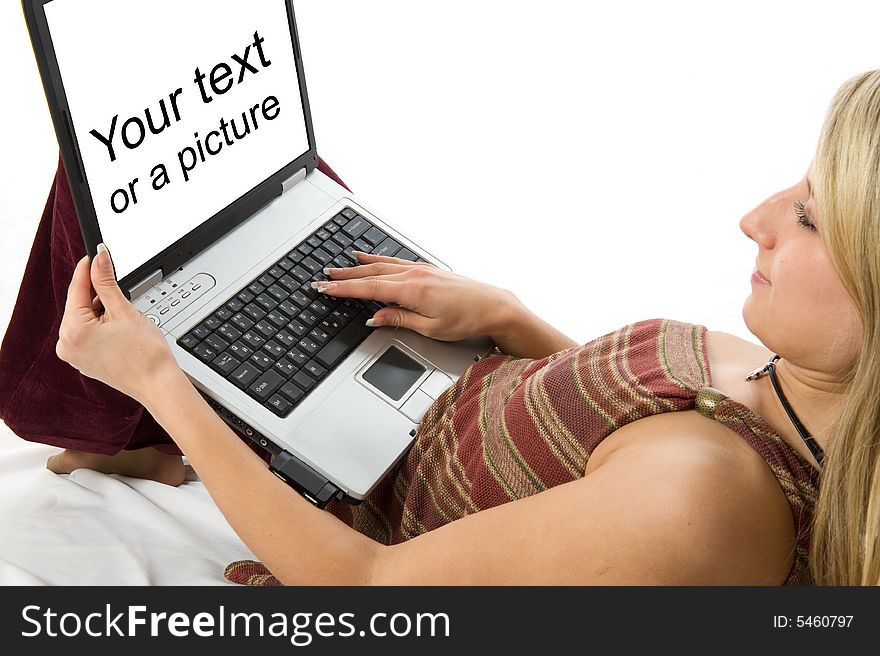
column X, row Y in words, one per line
column 809, row 440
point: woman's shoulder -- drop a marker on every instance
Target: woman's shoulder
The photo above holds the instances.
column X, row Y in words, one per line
column 716, row 477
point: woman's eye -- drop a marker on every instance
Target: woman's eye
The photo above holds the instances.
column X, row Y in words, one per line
column 802, row 217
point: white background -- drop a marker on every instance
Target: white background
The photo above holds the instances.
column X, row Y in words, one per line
column 593, row 157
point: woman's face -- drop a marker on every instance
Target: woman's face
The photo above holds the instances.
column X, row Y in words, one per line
column 798, row 307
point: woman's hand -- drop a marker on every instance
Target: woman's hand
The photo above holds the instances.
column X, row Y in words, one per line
column 433, row 302
column 119, row 346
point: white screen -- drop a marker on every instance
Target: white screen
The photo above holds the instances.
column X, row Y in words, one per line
column 124, row 58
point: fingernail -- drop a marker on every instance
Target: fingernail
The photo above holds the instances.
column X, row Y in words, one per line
column 371, row 323
column 103, row 256
column 356, row 253
column 329, row 271
column 322, row 286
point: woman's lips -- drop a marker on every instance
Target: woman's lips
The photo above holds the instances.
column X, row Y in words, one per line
column 758, row 277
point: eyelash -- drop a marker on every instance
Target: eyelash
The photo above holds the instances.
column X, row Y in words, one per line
column 802, row 217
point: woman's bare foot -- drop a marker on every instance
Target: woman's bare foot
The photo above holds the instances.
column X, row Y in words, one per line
column 145, row 463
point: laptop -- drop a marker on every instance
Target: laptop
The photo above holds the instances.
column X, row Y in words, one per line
column 185, row 130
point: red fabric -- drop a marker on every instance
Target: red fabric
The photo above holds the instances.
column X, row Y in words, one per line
column 42, row 398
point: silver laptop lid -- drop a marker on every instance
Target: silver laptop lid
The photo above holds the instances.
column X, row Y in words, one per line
column 177, row 119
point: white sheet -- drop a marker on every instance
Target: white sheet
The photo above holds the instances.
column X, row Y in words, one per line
column 88, row 528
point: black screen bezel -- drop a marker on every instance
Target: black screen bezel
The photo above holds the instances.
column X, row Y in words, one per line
column 203, row 235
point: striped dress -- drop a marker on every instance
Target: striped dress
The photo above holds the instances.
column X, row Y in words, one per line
column 513, row 427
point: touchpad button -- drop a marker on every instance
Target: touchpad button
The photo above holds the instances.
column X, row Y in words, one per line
column 394, row 373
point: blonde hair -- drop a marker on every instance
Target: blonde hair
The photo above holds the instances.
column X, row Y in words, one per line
column 844, row 548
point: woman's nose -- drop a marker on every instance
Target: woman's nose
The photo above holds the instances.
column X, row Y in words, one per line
column 758, row 224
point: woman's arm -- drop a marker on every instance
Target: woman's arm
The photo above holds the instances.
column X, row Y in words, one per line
column 662, row 513
column 298, row 542
column 655, row 513
column 444, row 305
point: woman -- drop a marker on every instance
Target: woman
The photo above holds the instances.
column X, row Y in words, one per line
column 631, row 487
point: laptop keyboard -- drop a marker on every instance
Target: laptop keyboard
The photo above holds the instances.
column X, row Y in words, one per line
column 277, row 338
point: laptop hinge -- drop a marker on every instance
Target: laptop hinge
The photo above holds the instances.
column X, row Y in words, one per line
column 293, row 180
column 150, row 281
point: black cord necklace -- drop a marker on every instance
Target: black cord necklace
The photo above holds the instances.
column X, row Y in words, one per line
column 770, row 368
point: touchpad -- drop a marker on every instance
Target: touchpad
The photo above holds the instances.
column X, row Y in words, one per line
column 394, row 373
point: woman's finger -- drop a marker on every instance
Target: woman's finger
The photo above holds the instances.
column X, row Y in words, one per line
column 79, row 292
column 375, row 289
column 364, row 270
column 104, row 282
column 369, row 258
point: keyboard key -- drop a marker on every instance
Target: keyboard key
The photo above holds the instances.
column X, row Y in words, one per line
column 224, row 314
column 319, row 308
column 312, row 265
column 244, row 375
column 254, row 311
column 322, row 256
column 241, row 322
column 333, row 248
column 276, row 272
column 300, row 299
column 307, row 345
column 348, row 213
column 261, row 360
column 266, row 280
column 245, row 296
column 296, row 328
column 241, row 351
column 374, row 236
column 323, row 235
column 315, row 369
column 217, row 343
column 297, row 357
column 342, row 239
column 356, row 227
column 342, row 261
column 265, row 329
column 285, row 367
column 188, row 341
column 289, row 283
column 389, row 248
column 253, row 340
column 301, row 274
column 314, row 241
column 362, row 245
column 204, row 352
column 278, row 319
column 307, row 318
column 317, row 335
column 213, row 323
column 266, row 386
column 347, row 339
column 274, row 349
column 305, row 381
column 285, row 265
column 235, row 304
column 267, row 302
column 293, row 258
column 304, row 249
column 256, row 288
column 278, row 292
column 229, row 333
column 289, row 308
column 406, row 254
column 279, row 405
column 225, row 364
column 201, row 331
column 293, row 393
column 286, row 339
column 332, row 228
column 330, row 326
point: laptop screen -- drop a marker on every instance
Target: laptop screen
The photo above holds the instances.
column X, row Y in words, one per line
column 179, row 107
